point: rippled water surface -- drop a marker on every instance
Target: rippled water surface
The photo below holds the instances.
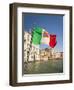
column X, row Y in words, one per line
column 50, row 66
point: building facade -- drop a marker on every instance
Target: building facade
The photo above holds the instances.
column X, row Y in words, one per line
column 31, row 52
column 59, row 55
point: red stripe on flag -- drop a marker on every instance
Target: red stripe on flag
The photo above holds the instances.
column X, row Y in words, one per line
column 52, row 42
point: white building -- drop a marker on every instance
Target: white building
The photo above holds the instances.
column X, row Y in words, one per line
column 45, row 54
column 59, row 55
column 31, row 53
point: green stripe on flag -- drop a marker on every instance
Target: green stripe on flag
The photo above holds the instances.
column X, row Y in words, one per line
column 36, row 35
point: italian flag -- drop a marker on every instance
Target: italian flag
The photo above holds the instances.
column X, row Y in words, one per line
column 40, row 36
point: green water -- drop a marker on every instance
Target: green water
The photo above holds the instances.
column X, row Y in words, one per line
column 50, row 66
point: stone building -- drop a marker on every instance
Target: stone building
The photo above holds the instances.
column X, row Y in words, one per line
column 50, row 54
column 59, row 55
column 31, row 52
column 45, row 54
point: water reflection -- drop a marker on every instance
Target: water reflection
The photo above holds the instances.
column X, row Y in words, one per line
column 50, row 66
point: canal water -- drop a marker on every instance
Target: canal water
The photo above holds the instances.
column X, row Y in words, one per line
column 38, row 67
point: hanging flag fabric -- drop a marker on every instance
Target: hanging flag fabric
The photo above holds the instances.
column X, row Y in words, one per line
column 52, row 42
column 36, row 35
column 45, row 38
column 40, row 36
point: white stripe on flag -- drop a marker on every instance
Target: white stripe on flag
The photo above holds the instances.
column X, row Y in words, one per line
column 45, row 40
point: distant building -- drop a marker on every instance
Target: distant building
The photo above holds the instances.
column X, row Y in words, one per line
column 59, row 55
column 46, row 54
column 43, row 55
column 49, row 54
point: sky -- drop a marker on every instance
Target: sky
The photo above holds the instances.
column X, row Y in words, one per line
column 51, row 23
